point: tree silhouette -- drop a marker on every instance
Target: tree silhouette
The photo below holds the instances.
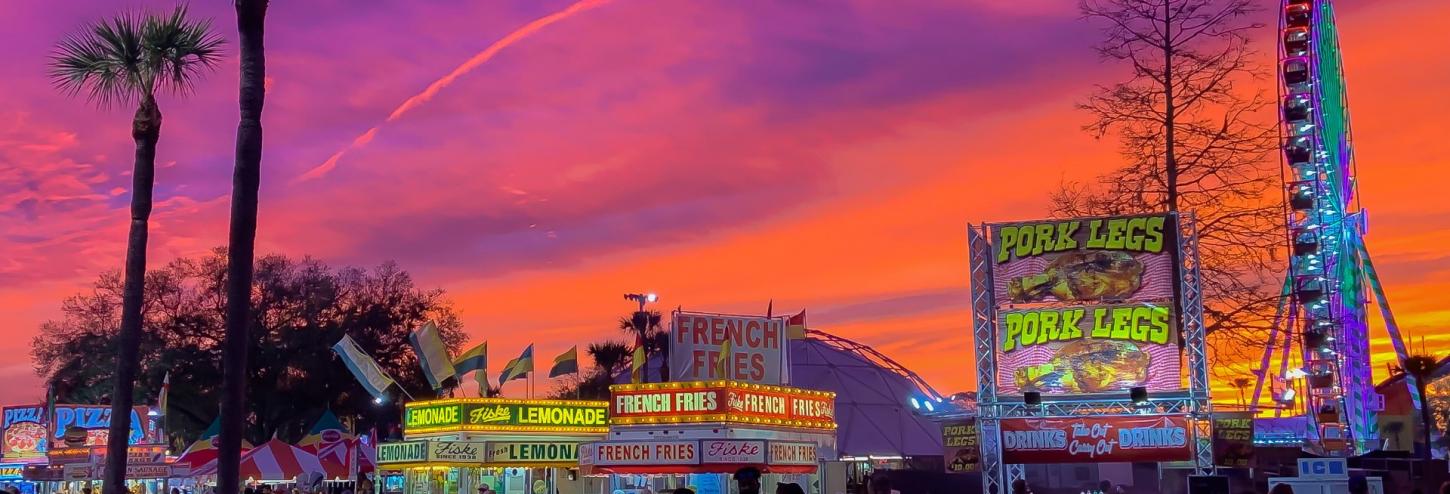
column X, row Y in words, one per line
column 1191, row 139
column 302, row 306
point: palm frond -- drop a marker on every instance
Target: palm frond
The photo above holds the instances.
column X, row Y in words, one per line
column 180, row 50
column 133, row 55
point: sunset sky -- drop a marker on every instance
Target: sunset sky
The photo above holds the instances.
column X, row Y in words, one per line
column 826, row 155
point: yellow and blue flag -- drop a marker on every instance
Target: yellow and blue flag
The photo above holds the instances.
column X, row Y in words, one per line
column 519, row 367
column 427, row 343
column 474, row 360
column 567, row 363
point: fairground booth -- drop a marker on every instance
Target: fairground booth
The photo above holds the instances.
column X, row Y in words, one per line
column 512, row 446
column 697, row 434
column 1089, row 369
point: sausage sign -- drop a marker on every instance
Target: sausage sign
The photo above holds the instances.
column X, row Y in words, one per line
column 755, row 348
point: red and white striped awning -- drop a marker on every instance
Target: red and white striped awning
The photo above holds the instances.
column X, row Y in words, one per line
column 275, row 460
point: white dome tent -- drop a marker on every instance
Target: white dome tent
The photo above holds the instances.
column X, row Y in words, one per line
column 873, row 397
column 873, row 394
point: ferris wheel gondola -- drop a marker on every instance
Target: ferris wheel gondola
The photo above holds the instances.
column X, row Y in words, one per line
column 1330, row 280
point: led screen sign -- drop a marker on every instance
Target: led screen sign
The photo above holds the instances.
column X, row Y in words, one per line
column 1085, row 306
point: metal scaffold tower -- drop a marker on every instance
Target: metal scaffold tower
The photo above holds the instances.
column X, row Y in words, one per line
column 1323, row 312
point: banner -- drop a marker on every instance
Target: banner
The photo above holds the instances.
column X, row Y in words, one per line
column 24, row 432
column 962, row 443
column 12, row 471
column 755, row 353
column 1085, row 306
column 502, row 414
column 363, row 367
column 721, row 402
column 1233, row 439
column 1096, row 439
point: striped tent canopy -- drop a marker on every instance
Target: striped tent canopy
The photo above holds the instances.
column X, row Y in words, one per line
column 275, row 460
column 204, row 450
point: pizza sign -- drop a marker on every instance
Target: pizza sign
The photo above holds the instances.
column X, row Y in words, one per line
column 24, row 431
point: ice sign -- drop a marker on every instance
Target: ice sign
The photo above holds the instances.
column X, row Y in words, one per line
column 1323, row 468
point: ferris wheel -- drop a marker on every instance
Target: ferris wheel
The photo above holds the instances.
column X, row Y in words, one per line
column 1323, row 312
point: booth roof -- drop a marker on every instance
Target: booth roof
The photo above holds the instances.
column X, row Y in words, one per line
column 872, row 415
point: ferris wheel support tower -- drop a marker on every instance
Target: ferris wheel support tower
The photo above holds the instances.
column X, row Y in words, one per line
column 1325, row 304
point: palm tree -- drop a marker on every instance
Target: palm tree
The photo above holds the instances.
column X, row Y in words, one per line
column 1242, row 384
column 241, row 240
column 1421, row 368
column 645, row 326
column 609, row 357
column 129, row 59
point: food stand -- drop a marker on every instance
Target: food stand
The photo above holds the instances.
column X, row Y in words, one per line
column 696, row 434
column 514, row 446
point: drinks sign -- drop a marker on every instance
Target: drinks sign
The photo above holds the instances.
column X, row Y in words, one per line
column 1096, row 439
column 497, row 414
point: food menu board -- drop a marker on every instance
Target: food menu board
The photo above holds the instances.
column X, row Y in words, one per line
column 24, row 432
column 1085, row 305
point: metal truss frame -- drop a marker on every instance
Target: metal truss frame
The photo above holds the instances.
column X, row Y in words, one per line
column 1194, row 402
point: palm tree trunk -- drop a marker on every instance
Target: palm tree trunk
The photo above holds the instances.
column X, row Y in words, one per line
column 246, row 176
column 145, row 130
column 1427, row 426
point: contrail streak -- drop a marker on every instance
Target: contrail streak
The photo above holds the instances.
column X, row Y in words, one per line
column 432, row 90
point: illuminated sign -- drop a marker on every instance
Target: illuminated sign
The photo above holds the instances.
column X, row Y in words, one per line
column 136, row 454
column 12, row 471
column 500, row 414
column 95, row 423
column 647, row 453
column 792, row 453
column 1096, row 439
column 403, row 452
column 24, row 432
column 456, row 451
column 721, row 401
column 533, row 453
column 671, row 455
column 1085, row 305
column 742, row 451
column 154, row 471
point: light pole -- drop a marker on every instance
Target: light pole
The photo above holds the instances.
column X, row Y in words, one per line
column 640, row 321
column 642, row 298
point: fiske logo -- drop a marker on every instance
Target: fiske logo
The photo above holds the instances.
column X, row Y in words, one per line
column 490, row 415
